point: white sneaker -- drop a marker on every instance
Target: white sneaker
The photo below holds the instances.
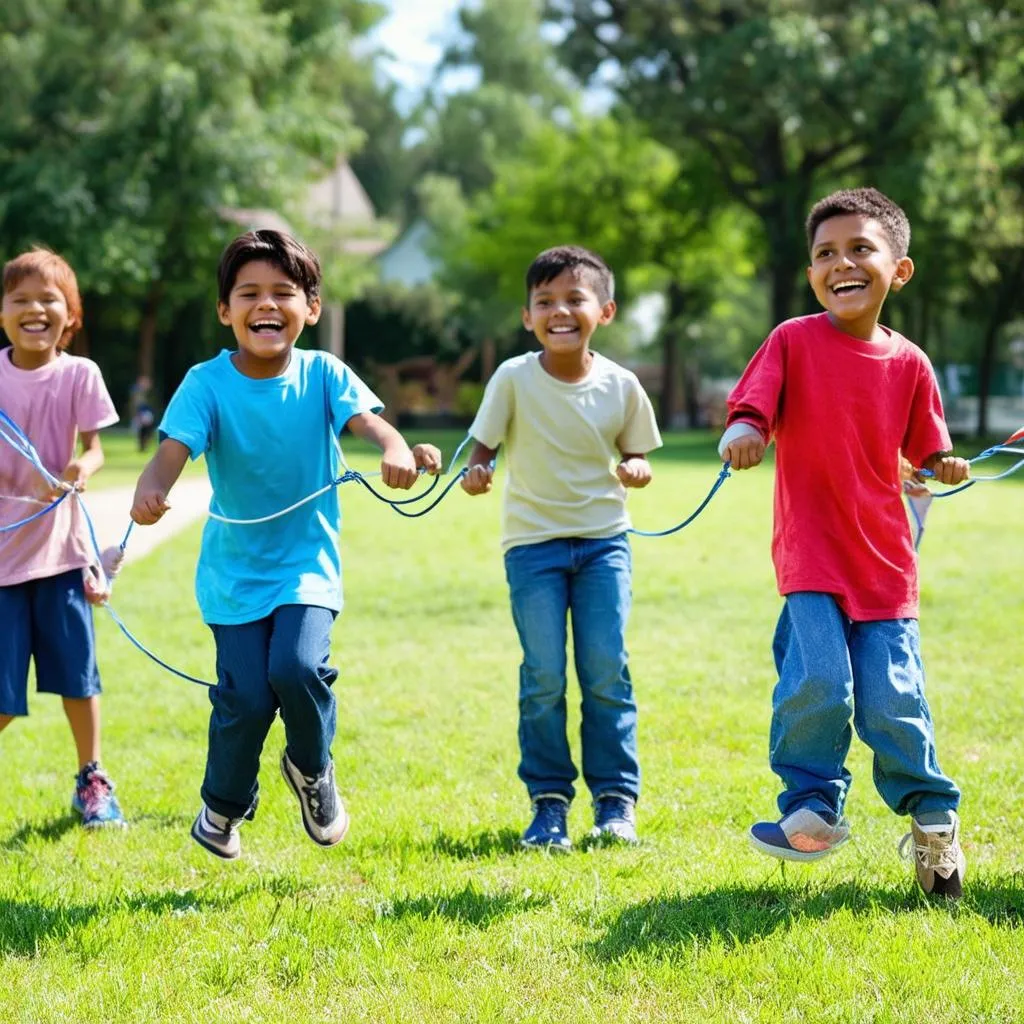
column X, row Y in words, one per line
column 938, row 857
column 801, row 835
column 217, row 834
column 323, row 813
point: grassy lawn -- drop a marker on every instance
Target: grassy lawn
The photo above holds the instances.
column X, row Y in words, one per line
column 428, row 912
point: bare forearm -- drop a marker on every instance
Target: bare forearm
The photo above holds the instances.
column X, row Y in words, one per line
column 481, row 455
column 373, row 428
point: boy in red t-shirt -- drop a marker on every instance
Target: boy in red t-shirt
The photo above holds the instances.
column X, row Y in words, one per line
column 846, row 400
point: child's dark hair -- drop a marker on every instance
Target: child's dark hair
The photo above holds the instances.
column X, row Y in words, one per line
column 44, row 263
column 290, row 256
column 868, row 202
column 588, row 265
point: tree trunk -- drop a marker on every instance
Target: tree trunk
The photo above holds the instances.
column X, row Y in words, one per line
column 488, row 359
column 147, row 331
column 668, row 405
column 1007, row 295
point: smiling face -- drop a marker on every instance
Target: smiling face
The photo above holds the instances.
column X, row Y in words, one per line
column 267, row 311
column 564, row 312
column 35, row 318
column 852, row 269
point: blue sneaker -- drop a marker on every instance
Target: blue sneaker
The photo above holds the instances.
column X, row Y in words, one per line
column 94, row 799
column 615, row 818
column 549, row 829
column 801, row 835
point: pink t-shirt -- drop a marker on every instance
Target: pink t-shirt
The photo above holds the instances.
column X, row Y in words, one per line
column 841, row 411
column 51, row 405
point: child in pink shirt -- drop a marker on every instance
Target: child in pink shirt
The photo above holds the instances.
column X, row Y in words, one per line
column 848, row 402
column 46, row 578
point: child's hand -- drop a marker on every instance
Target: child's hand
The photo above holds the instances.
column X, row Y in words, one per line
column 112, row 560
column 428, row 457
column 95, row 591
column 745, row 452
column 634, row 472
column 149, row 505
column 477, row 479
column 398, row 467
column 949, row 469
column 75, row 476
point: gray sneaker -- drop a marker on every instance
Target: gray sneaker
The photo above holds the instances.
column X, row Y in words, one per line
column 615, row 819
column 938, row 857
column 323, row 813
column 217, row 834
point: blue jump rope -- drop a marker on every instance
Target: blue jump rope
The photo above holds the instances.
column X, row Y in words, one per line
column 13, row 435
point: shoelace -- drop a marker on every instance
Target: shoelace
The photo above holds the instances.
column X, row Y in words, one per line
column 613, row 808
column 937, row 854
column 96, row 792
column 230, row 824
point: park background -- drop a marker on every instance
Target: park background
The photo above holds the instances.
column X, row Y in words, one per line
column 684, row 140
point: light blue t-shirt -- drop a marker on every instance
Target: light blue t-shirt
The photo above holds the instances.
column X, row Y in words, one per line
column 268, row 444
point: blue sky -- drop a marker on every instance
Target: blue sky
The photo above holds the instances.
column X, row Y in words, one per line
column 414, row 32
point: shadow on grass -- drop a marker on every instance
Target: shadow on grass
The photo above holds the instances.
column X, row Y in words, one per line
column 741, row 914
column 502, row 842
column 47, row 831
column 25, row 925
column 467, row 906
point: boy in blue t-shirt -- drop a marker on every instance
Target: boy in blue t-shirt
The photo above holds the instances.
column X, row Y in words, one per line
column 266, row 417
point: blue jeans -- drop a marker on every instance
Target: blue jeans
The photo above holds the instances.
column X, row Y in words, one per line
column 279, row 662
column 830, row 669
column 592, row 580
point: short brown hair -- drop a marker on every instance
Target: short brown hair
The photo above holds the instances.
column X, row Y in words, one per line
column 868, row 202
column 552, row 262
column 298, row 262
column 44, row 263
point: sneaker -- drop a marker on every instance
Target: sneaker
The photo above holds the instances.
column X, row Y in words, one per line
column 938, row 857
column 217, row 833
column 802, row 834
column 615, row 818
column 94, row 799
column 323, row 813
column 549, row 829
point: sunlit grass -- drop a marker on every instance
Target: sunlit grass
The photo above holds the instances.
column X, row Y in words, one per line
column 428, row 912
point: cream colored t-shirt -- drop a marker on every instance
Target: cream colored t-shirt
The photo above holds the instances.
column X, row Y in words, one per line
column 561, row 444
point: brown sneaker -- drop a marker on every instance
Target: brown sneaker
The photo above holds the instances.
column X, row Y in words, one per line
column 938, row 858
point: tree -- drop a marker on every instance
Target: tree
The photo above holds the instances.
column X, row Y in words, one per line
column 780, row 96
column 132, row 127
column 605, row 185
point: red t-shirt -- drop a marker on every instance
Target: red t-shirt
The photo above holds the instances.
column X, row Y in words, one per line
column 841, row 411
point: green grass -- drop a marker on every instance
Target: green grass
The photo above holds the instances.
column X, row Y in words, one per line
column 428, row 912
column 123, row 462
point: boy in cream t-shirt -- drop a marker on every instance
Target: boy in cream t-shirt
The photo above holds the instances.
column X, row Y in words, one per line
column 576, row 429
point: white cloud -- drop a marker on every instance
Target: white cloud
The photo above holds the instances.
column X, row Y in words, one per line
column 414, row 32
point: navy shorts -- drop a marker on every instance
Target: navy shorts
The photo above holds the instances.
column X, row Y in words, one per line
column 50, row 622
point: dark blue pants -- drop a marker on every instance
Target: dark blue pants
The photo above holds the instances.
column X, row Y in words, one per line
column 276, row 663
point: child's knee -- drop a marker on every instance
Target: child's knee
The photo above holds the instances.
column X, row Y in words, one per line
column 291, row 672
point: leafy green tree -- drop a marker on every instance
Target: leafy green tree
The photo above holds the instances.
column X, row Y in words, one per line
column 780, row 96
column 130, row 128
column 605, row 185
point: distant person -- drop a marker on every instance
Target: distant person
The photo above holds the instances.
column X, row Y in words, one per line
column 575, row 429
column 851, row 406
column 266, row 417
column 47, row 574
column 143, row 415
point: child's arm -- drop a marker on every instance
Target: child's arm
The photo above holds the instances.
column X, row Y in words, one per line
column 634, row 470
column 90, row 461
column 742, row 445
column 159, row 476
column 399, row 464
column 480, row 470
